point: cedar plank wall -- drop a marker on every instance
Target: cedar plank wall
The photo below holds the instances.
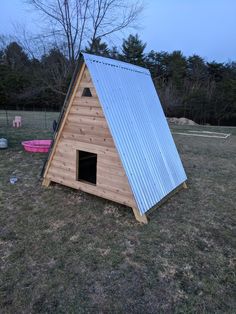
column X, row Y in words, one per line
column 86, row 129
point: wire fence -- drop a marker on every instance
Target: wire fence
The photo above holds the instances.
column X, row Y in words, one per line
column 32, row 120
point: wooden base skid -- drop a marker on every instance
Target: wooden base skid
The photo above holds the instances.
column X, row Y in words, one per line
column 138, row 217
column 46, row 182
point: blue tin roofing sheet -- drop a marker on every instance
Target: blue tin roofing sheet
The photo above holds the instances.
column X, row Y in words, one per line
column 139, row 129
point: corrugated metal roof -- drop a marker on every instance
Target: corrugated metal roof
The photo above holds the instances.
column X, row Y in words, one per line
column 139, row 128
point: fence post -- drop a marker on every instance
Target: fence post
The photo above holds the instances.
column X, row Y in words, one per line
column 45, row 117
column 7, row 118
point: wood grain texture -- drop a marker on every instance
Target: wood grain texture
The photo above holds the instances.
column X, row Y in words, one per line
column 57, row 136
column 85, row 128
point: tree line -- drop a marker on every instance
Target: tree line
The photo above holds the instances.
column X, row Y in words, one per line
column 187, row 86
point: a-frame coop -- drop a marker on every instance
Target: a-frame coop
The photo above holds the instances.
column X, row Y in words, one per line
column 113, row 139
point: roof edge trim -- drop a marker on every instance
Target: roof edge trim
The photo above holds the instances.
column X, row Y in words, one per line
column 116, row 63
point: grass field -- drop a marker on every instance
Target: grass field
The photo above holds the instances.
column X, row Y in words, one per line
column 64, row 251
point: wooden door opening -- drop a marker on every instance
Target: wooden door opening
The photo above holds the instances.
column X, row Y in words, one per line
column 86, row 167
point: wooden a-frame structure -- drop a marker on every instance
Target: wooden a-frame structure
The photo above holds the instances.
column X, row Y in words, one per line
column 84, row 155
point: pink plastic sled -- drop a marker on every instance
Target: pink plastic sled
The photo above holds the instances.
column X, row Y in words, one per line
column 37, row 146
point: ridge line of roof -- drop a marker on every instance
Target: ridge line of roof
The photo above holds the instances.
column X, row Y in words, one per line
column 116, row 63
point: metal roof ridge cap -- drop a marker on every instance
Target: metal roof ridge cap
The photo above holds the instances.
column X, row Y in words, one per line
column 115, row 62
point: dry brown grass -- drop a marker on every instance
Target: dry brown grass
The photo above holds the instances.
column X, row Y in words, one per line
column 64, row 251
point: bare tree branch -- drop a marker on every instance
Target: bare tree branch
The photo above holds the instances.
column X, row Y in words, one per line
column 80, row 20
column 68, row 24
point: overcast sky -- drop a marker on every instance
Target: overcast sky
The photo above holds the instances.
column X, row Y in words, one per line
column 204, row 27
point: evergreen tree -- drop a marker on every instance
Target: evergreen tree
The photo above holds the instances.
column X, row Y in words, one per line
column 190, row 87
column 15, row 57
column 114, row 53
column 97, row 47
column 157, row 63
column 133, row 50
column 177, row 68
column 197, row 69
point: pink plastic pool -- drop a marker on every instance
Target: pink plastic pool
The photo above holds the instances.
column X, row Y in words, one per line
column 37, row 146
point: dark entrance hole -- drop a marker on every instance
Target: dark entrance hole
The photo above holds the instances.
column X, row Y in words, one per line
column 87, row 92
column 86, row 167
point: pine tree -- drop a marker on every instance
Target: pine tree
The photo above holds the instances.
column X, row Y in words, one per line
column 114, row 53
column 15, row 57
column 97, row 47
column 133, row 50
